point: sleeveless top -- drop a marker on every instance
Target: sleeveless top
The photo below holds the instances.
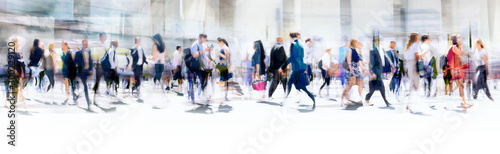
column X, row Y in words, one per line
column 354, row 56
column 49, row 61
column 222, row 60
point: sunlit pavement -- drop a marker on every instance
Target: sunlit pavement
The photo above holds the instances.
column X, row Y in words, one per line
column 163, row 122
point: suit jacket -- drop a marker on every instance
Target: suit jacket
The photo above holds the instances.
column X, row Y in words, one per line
column 81, row 62
column 296, row 57
column 376, row 63
column 278, row 58
column 135, row 57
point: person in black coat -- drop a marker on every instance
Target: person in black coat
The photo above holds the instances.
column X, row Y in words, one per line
column 377, row 63
column 83, row 62
column 138, row 59
column 277, row 65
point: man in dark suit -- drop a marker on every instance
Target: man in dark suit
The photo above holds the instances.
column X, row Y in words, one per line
column 392, row 55
column 377, row 63
column 83, row 62
column 277, row 63
column 138, row 59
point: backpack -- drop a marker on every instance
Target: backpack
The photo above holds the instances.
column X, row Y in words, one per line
column 105, row 60
column 191, row 63
column 443, row 61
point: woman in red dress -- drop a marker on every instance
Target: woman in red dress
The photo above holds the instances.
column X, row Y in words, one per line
column 454, row 57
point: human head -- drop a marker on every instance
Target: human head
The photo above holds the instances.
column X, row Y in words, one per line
column 377, row 41
column 158, row 42
column 85, row 43
column 102, row 37
column 456, row 39
column 51, row 47
column 202, row 37
column 64, row 45
column 425, row 39
column 329, row 50
column 392, row 45
column 479, row 44
column 354, row 43
column 293, row 35
column 137, row 41
column 279, row 39
column 114, row 43
column 222, row 41
column 412, row 39
column 308, row 42
column 178, row 48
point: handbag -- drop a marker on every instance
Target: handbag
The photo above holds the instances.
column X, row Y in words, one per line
column 352, row 80
column 420, row 67
column 259, row 85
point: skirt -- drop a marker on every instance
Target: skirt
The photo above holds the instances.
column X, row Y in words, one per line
column 356, row 69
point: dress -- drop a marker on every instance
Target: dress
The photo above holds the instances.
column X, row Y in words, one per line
column 455, row 63
column 356, row 69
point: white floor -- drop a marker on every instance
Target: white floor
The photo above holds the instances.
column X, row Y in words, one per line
column 161, row 122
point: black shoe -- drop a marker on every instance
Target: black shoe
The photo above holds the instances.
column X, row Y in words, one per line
column 388, row 104
column 168, row 88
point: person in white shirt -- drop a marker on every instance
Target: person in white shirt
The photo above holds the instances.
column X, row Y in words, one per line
column 430, row 67
column 177, row 63
column 326, row 65
column 111, row 75
column 308, row 58
column 138, row 60
column 411, row 54
column 481, row 57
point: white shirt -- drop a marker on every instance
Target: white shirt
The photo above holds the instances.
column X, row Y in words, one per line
column 204, row 57
column 140, row 53
column 176, row 59
column 382, row 55
column 308, row 55
column 326, row 61
column 112, row 60
column 479, row 58
column 410, row 53
column 427, row 57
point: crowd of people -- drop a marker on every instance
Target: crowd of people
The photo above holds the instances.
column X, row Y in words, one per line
column 415, row 66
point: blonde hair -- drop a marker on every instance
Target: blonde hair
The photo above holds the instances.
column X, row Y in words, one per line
column 480, row 43
column 353, row 44
column 412, row 39
column 51, row 47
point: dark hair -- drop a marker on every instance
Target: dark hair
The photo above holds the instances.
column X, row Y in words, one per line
column 308, row 40
column 101, row 34
column 177, row 47
column 293, row 34
column 203, row 35
column 35, row 45
column 258, row 46
column 160, row 45
column 220, row 39
column 454, row 39
column 424, row 37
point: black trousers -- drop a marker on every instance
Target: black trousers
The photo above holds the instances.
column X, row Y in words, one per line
column 300, row 81
column 99, row 72
column 376, row 84
column 326, row 77
column 83, row 76
column 137, row 76
column 481, row 83
column 111, row 76
column 50, row 75
column 277, row 79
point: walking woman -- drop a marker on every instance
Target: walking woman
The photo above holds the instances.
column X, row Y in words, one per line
column 19, row 69
column 36, row 56
column 355, row 71
column 68, row 70
column 258, row 61
column 411, row 54
column 326, row 71
column 481, row 57
column 298, row 76
column 224, row 66
column 159, row 56
column 50, row 64
column 454, row 57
